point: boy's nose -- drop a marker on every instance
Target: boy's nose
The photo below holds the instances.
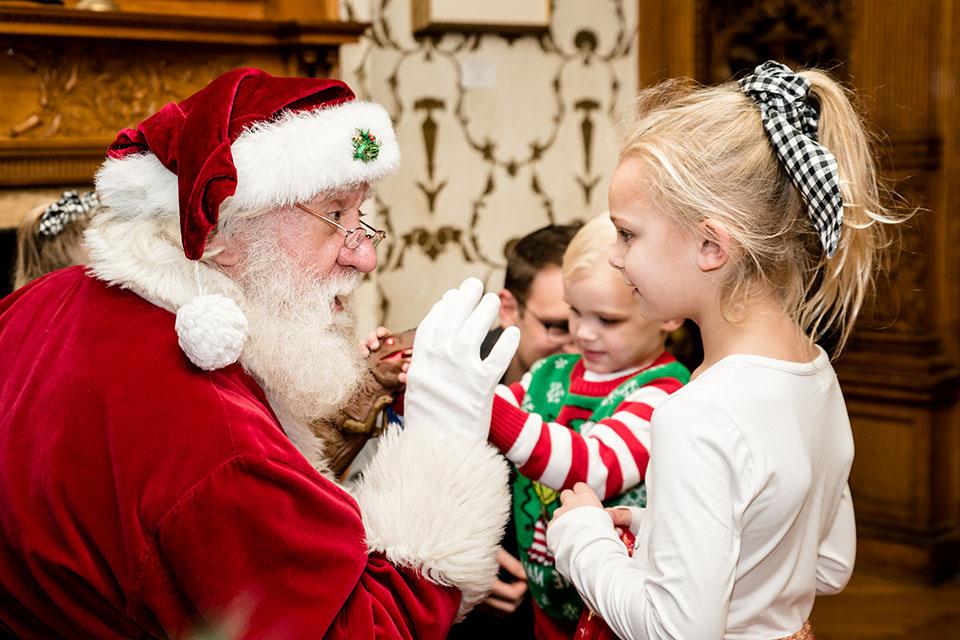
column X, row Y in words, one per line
column 584, row 333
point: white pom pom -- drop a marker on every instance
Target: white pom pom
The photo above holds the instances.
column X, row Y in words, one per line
column 211, row 330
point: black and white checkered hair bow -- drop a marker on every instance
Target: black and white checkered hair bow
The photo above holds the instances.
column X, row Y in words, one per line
column 71, row 206
column 791, row 124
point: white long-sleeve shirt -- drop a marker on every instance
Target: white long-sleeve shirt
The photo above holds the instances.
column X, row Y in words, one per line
column 748, row 510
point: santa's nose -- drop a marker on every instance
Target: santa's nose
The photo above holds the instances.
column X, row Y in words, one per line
column 363, row 258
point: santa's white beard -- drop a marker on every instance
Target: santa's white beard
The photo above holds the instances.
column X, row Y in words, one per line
column 302, row 351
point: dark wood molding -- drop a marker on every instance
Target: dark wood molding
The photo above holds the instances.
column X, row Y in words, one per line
column 899, row 368
column 50, row 162
column 911, row 152
column 56, row 22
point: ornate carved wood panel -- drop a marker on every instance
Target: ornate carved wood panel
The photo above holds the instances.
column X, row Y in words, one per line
column 500, row 134
column 71, row 79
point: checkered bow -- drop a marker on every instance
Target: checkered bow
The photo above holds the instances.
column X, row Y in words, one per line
column 71, row 206
column 791, row 124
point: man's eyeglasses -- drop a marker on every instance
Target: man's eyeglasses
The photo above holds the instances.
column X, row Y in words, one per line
column 557, row 330
column 353, row 237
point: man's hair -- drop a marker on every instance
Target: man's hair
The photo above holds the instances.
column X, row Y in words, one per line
column 535, row 251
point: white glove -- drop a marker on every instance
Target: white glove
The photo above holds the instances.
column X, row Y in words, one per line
column 448, row 386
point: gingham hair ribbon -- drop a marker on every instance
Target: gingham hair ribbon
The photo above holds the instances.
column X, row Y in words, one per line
column 791, row 124
column 69, row 207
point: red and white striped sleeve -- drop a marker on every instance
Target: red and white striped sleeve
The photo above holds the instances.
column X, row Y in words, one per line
column 611, row 456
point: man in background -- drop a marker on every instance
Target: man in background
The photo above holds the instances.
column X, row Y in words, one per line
column 532, row 298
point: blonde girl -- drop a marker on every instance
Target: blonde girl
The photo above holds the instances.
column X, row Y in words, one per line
column 50, row 237
column 753, row 209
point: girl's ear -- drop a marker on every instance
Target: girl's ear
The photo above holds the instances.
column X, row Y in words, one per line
column 715, row 245
column 671, row 325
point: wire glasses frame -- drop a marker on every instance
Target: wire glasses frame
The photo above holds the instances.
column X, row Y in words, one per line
column 353, row 237
column 557, row 330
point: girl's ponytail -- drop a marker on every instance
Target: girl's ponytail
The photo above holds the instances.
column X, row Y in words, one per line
column 835, row 296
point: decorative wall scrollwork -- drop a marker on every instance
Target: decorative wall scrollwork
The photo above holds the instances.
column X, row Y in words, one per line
column 487, row 163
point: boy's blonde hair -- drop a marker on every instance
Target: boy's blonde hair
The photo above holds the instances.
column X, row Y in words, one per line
column 589, row 250
column 705, row 154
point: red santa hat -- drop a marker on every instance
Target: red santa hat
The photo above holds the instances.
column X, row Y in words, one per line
column 244, row 144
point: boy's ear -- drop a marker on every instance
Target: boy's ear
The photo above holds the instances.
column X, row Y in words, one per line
column 671, row 325
column 714, row 245
column 509, row 309
column 223, row 252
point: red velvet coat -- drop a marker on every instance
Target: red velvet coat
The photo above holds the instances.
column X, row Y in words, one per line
column 140, row 495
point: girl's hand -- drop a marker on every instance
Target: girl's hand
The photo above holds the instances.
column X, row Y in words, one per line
column 622, row 516
column 580, row 496
column 372, row 343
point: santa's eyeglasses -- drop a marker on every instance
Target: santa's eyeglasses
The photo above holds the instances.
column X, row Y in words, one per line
column 353, row 237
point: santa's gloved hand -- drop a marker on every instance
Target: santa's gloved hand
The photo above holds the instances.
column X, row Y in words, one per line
column 448, row 386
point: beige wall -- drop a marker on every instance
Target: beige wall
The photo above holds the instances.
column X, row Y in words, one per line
column 529, row 140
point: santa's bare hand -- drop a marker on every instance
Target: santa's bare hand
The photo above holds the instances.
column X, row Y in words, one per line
column 580, row 496
column 507, row 596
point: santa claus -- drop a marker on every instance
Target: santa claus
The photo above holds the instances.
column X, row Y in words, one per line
column 158, row 474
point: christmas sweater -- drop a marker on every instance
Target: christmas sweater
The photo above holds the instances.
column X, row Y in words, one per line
column 560, row 427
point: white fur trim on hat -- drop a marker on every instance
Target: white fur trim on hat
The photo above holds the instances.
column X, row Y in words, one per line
column 438, row 504
column 279, row 163
column 211, row 330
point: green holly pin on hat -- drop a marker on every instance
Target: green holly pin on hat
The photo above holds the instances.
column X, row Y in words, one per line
column 365, row 146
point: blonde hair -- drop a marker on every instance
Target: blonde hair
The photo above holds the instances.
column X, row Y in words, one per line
column 39, row 255
column 589, row 250
column 705, row 154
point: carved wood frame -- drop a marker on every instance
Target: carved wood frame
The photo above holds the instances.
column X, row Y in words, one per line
column 30, row 160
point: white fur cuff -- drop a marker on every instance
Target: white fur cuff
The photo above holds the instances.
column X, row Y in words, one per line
column 438, row 504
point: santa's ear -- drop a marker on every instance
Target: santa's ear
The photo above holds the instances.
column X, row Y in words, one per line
column 224, row 251
column 509, row 309
column 715, row 245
